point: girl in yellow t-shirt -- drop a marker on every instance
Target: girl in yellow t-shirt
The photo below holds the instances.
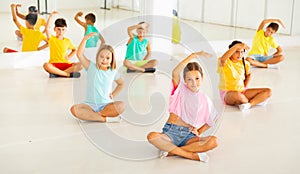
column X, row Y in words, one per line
column 234, row 77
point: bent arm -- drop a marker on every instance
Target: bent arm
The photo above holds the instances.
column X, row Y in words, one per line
column 231, row 51
column 183, row 63
column 47, row 28
column 119, row 87
column 278, row 51
column 19, row 14
column 265, row 21
column 80, row 53
column 83, row 24
column 43, row 46
column 13, row 12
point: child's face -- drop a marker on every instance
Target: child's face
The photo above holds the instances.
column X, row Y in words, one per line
column 239, row 53
column 269, row 32
column 60, row 31
column 193, row 80
column 141, row 32
column 104, row 59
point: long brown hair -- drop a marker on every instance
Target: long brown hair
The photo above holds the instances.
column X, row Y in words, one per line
column 109, row 48
column 192, row 66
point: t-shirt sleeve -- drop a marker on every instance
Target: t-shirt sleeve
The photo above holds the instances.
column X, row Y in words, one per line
column 117, row 76
column 213, row 114
column 274, row 43
column 70, row 45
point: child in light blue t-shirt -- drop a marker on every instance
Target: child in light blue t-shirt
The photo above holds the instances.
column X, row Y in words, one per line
column 89, row 27
column 99, row 104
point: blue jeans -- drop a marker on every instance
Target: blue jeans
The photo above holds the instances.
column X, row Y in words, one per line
column 178, row 134
column 260, row 57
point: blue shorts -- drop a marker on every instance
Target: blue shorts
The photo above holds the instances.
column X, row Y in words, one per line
column 260, row 57
column 178, row 134
column 96, row 107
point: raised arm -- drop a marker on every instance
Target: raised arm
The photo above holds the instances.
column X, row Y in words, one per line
column 134, row 27
column 79, row 14
column 13, row 12
column 265, row 21
column 48, row 25
column 183, row 63
column 80, row 52
column 231, row 51
column 20, row 15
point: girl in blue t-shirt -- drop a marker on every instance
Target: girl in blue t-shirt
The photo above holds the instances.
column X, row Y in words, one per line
column 99, row 104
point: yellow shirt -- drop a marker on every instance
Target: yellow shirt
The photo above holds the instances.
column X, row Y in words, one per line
column 40, row 22
column 31, row 39
column 59, row 49
column 261, row 44
column 232, row 75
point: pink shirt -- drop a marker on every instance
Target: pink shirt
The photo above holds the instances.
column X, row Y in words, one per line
column 194, row 108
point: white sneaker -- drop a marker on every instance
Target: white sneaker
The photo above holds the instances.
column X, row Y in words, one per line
column 245, row 106
column 273, row 66
column 264, row 103
column 113, row 119
column 203, row 157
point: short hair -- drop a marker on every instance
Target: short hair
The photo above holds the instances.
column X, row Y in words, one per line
column 234, row 43
column 109, row 48
column 32, row 9
column 60, row 22
column 31, row 18
column 91, row 17
column 274, row 26
column 192, row 66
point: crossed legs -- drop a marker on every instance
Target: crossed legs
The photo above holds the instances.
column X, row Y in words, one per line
column 85, row 112
column 190, row 150
column 150, row 64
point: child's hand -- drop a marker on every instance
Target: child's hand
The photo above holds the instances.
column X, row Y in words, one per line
column 202, row 54
column 145, row 25
column 13, row 5
column 111, row 96
column 18, row 5
column 79, row 13
column 194, row 131
column 54, row 13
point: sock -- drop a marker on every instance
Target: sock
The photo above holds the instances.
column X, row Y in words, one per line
column 163, row 154
column 53, row 75
column 75, row 75
column 244, row 106
column 273, row 66
column 113, row 119
column 203, row 157
column 130, row 71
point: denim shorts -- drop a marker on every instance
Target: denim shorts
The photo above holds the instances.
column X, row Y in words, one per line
column 178, row 134
column 96, row 107
column 260, row 57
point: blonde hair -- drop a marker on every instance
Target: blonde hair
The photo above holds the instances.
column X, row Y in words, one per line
column 109, row 48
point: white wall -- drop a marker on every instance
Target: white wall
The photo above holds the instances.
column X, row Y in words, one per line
column 296, row 18
column 191, row 9
column 218, row 11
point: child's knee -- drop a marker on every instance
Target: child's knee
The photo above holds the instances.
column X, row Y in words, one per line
column 268, row 91
column 152, row 136
column 213, row 142
column 73, row 110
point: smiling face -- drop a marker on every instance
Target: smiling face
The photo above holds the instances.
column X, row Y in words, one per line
column 193, row 80
column 269, row 31
column 104, row 59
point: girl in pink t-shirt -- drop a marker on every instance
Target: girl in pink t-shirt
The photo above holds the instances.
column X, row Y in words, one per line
column 191, row 113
